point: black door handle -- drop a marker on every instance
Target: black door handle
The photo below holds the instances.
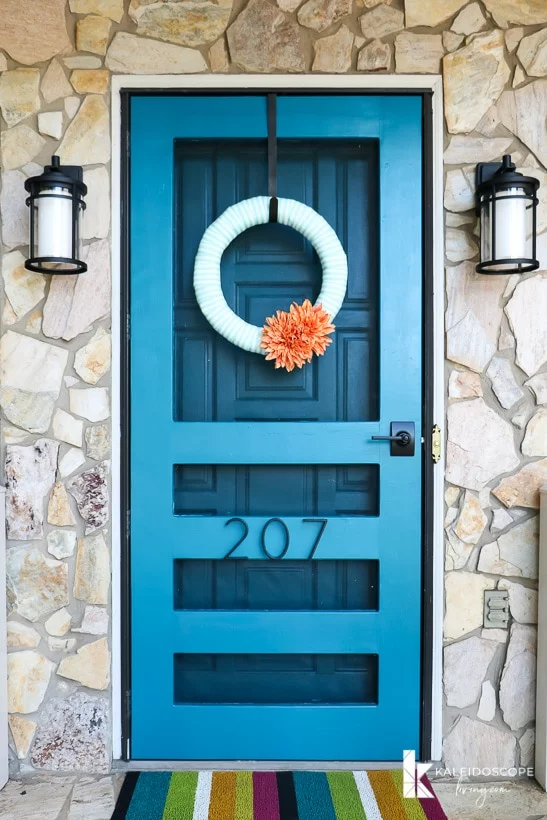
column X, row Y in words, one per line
column 402, row 438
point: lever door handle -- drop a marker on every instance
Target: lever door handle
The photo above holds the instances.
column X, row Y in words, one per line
column 402, row 438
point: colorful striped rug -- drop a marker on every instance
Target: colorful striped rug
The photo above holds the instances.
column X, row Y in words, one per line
column 371, row 795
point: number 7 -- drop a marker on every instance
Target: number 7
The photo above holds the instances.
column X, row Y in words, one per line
column 323, row 522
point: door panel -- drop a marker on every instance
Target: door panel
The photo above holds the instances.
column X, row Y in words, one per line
column 266, row 269
column 275, row 548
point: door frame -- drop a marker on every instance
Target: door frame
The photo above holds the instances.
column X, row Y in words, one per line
column 430, row 87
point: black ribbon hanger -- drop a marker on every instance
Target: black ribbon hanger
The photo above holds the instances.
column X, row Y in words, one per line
column 272, row 155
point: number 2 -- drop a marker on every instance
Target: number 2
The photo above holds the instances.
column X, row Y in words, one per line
column 243, row 537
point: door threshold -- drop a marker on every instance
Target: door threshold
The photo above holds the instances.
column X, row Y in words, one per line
column 254, row 765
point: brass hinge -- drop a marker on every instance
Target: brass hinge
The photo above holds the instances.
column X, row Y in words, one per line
column 436, row 443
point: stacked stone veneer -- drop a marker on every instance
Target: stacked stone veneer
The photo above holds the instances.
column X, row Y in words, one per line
column 56, row 60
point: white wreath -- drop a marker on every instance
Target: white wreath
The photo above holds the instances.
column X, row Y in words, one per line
column 236, row 219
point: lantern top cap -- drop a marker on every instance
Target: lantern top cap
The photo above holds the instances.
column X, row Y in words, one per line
column 502, row 175
column 56, row 174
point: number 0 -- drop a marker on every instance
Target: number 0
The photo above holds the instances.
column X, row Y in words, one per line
column 287, row 539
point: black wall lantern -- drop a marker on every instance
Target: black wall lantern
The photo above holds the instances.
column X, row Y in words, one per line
column 506, row 204
column 56, row 202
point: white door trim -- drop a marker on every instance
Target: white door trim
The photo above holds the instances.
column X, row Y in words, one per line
column 307, row 82
column 4, row 747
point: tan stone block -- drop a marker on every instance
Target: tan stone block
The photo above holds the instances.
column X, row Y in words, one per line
column 518, row 679
column 22, row 732
column 430, row 12
column 82, row 61
column 513, row 37
column 24, row 288
column 532, row 52
column 381, row 21
column 93, row 360
column 92, row 579
column 218, row 56
column 19, row 145
column 474, row 743
column 90, row 81
column 39, row 584
column 67, row 428
column 90, row 666
column 474, row 78
column 464, row 385
column 105, row 8
column 515, row 553
column 376, row 56
column 74, row 303
column 480, row 445
column 21, row 636
column 527, row 13
column 462, row 149
column 452, row 41
column 464, row 602
column 87, row 139
column 418, row 53
column 55, row 84
column 34, row 32
column 320, row 14
column 471, row 521
column 526, row 311
column 58, row 623
column 50, row 123
column 31, row 372
column 129, row 54
column 19, row 96
column 535, row 440
column 469, row 20
column 524, row 113
column 185, row 24
column 59, row 512
column 70, row 462
column 28, row 679
column 61, row 543
column 264, row 39
column 92, row 34
column 71, row 106
column 333, row 54
column 96, row 217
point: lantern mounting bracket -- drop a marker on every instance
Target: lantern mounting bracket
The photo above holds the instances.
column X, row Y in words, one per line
column 75, row 172
column 486, row 171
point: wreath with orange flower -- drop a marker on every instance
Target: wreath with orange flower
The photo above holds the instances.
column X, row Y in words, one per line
column 290, row 338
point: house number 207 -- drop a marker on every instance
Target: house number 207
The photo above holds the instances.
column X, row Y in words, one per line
column 286, row 537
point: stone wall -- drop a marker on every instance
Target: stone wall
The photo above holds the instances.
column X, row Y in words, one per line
column 55, row 67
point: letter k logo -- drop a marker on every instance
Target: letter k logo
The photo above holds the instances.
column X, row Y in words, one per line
column 412, row 776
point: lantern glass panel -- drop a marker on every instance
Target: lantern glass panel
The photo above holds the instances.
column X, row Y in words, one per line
column 53, row 229
column 513, row 229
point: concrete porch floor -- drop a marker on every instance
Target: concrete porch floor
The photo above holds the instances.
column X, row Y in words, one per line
column 49, row 797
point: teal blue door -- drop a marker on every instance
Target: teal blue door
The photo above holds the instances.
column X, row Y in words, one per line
column 275, row 546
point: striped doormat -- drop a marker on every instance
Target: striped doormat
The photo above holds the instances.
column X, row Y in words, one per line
column 371, row 795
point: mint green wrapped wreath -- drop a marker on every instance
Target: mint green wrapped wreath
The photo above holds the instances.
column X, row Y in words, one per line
column 236, row 219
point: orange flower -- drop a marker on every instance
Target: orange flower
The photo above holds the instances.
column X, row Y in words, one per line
column 291, row 338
